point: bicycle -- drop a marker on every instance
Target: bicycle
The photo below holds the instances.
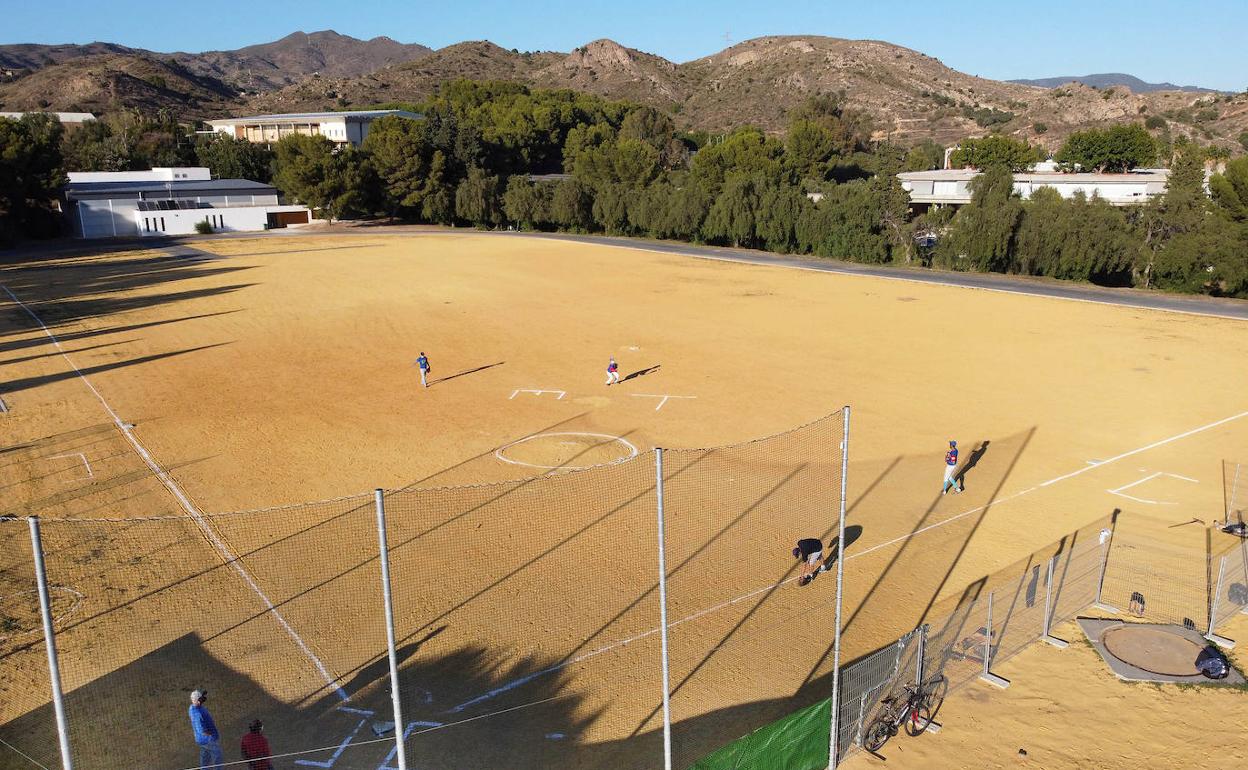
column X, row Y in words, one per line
column 915, row 712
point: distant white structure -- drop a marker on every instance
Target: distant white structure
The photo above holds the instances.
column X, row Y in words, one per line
column 339, row 127
column 952, row 187
column 172, row 201
column 69, row 118
column 158, row 174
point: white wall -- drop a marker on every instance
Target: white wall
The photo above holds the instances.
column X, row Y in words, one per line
column 192, row 173
column 223, row 220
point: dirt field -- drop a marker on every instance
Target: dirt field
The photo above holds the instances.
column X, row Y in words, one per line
column 271, row 371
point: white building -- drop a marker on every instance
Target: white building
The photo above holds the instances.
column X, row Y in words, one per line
column 339, row 127
column 66, row 118
column 951, row 187
column 172, row 201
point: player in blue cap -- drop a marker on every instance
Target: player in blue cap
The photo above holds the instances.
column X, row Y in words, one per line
column 951, row 468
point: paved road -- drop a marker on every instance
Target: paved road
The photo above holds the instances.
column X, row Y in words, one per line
column 1174, row 303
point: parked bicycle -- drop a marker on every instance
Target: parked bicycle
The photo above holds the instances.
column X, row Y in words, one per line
column 913, row 709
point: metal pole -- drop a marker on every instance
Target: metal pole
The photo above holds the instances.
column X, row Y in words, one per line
column 988, row 636
column 834, row 728
column 667, row 705
column 390, row 650
column 918, row 666
column 1213, row 601
column 49, row 637
column 1048, row 597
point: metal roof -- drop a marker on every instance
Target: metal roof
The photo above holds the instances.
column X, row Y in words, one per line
column 294, row 117
column 64, row 117
column 181, row 187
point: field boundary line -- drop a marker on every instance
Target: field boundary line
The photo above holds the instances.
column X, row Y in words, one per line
column 506, row 687
column 163, row 476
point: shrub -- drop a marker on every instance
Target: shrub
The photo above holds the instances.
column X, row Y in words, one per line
column 202, row 227
column 1155, row 122
column 1040, row 128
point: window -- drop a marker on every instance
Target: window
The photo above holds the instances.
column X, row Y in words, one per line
column 147, row 228
column 162, row 224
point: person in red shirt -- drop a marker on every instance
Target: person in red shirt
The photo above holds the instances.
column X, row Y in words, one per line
column 256, row 747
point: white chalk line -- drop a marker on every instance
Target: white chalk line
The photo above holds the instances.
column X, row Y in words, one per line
column 185, row 502
column 743, row 597
column 80, row 455
column 499, row 453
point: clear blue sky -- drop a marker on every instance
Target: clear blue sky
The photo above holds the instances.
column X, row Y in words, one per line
column 1201, row 42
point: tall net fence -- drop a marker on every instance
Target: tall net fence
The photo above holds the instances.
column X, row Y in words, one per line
column 747, row 644
column 1158, row 582
column 1235, row 490
column 867, row 681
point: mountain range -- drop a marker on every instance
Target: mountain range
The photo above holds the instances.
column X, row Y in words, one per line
column 1111, row 79
column 908, row 95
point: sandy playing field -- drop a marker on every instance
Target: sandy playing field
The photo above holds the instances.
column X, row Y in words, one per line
column 266, row 372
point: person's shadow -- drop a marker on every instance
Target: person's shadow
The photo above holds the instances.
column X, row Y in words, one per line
column 852, row 533
column 641, row 373
column 971, row 462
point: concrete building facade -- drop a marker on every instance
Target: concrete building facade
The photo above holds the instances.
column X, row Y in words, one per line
column 171, row 202
column 338, row 127
column 952, row 187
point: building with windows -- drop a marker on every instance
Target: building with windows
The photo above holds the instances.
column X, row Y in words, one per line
column 952, row 186
column 338, row 127
column 172, row 201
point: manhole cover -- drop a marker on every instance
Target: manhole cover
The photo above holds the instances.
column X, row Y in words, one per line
column 1153, row 649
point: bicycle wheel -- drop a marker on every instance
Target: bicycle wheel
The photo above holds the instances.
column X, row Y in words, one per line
column 917, row 720
column 878, row 734
column 934, row 691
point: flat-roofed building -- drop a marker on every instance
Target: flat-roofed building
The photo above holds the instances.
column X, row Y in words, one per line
column 133, row 203
column 952, row 187
column 339, row 127
column 66, row 118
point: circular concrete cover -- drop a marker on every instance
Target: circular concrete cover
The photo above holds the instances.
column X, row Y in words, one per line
column 1155, row 650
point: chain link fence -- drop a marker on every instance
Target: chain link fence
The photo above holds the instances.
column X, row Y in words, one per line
column 527, row 620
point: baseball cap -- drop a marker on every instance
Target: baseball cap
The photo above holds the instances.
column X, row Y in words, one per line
column 952, row 442
column 797, row 552
column 198, row 695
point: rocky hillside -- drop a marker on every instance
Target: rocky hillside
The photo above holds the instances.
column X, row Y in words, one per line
column 908, row 95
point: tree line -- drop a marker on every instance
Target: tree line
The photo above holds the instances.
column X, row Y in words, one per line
column 483, row 154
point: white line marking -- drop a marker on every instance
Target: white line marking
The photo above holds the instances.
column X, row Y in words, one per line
column 632, row 450
column 362, row 712
column 1120, row 491
column 57, row 619
column 407, row 731
column 1153, row 445
column 3, row 406
column 81, row 455
column 176, row 491
column 664, row 398
column 337, row 752
column 735, row 600
column 537, row 392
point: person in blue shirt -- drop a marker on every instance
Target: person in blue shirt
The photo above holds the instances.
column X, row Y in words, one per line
column 951, row 469
column 423, row 363
column 613, row 372
column 206, row 736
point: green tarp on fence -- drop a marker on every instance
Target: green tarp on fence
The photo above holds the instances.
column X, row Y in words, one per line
column 796, row 742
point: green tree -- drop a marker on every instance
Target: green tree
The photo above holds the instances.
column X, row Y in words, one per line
column 634, row 162
column 845, row 224
column 924, row 156
column 231, row 158
column 1230, row 189
column 983, row 230
column 779, row 209
column 995, row 150
column 337, row 183
column 477, row 199
column 611, row 208
column 93, row 147
column 731, row 218
column 30, row 175
column 1111, row 150
column 745, row 152
column 525, row 203
column 648, row 125
column 572, row 206
column 1169, row 252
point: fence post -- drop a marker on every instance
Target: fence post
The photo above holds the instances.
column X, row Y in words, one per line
column 667, row 706
column 834, row 727
column 1221, row 641
column 49, row 638
column 1061, row 644
column 384, row 549
column 918, row 666
column 1108, row 545
column 987, row 675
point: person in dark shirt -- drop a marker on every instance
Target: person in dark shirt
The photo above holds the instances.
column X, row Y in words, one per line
column 810, row 551
column 951, row 469
column 255, row 747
